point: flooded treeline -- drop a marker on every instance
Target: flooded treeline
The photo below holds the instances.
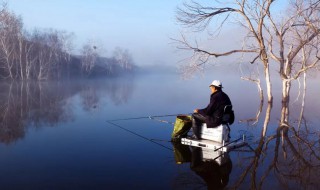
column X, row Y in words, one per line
column 37, row 104
column 44, row 54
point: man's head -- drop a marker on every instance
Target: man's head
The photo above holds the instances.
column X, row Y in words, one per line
column 216, row 83
column 215, row 86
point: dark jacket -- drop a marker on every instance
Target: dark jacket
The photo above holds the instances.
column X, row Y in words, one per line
column 214, row 111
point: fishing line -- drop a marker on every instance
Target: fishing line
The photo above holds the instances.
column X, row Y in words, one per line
column 161, row 140
column 143, row 137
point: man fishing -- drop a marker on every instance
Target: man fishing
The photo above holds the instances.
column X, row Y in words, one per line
column 213, row 114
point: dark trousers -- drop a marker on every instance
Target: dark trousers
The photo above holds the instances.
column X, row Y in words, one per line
column 197, row 121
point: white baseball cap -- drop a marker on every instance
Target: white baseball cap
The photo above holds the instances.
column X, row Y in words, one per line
column 216, row 83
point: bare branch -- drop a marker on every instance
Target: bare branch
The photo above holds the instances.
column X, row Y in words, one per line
column 194, row 14
column 304, row 69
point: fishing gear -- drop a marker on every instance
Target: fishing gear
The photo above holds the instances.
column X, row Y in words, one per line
column 163, row 121
column 243, row 138
column 229, row 143
column 143, row 137
column 144, row 117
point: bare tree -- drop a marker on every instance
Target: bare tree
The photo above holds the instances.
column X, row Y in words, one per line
column 43, row 55
column 269, row 37
column 299, row 45
column 89, row 58
column 30, row 59
column 47, row 51
column 123, row 58
column 39, row 55
column 10, row 30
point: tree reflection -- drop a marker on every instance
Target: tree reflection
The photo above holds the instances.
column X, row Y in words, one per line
column 290, row 156
column 30, row 103
column 254, row 120
column 37, row 104
column 252, row 167
column 120, row 91
column 90, row 98
column 11, row 126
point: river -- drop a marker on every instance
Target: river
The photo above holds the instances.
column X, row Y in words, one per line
column 56, row 135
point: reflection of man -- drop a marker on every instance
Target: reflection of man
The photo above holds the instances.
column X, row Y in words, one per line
column 216, row 176
column 213, row 113
column 205, row 164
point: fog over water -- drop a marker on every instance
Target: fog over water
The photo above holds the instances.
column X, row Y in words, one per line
column 55, row 135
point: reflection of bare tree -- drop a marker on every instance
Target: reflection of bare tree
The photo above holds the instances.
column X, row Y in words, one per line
column 90, row 99
column 255, row 119
column 300, row 149
column 254, row 163
column 39, row 104
column 11, row 126
column 300, row 159
column 48, row 104
column 23, row 104
column 120, row 90
column 294, row 158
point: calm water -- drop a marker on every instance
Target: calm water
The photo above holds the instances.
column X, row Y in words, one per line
column 56, row 136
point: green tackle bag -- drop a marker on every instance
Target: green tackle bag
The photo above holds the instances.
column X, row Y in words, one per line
column 182, row 126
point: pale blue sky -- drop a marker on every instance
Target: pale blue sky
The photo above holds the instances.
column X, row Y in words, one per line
column 144, row 27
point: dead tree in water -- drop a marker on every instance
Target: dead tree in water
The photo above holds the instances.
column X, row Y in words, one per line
column 271, row 38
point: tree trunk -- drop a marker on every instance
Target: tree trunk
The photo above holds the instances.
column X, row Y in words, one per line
column 286, row 85
column 268, row 82
column 20, row 57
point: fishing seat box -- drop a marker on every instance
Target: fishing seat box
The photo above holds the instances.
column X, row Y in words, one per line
column 218, row 134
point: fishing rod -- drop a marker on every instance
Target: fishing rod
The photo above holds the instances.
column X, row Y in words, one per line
column 163, row 121
column 245, row 144
column 143, row 137
column 229, row 143
column 145, row 117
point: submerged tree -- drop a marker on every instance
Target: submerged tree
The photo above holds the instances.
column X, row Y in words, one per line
column 290, row 42
column 269, row 38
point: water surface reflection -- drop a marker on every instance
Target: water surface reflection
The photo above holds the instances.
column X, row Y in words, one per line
column 36, row 104
column 211, row 168
column 54, row 135
column 287, row 154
